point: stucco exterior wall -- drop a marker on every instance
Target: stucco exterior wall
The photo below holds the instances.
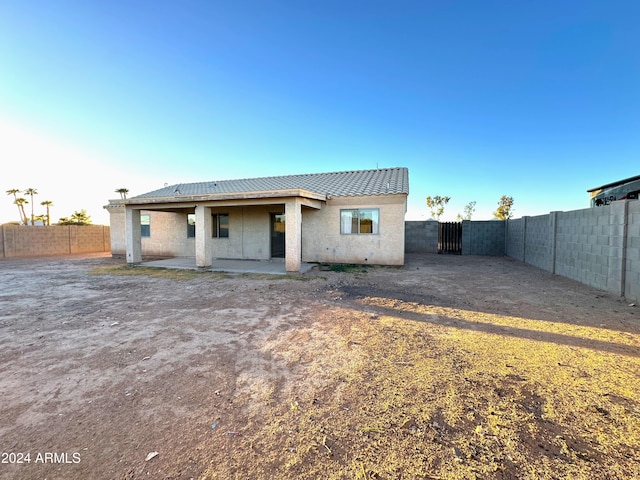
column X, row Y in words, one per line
column 323, row 242
column 116, row 222
column 250, row 232
column 168, row 235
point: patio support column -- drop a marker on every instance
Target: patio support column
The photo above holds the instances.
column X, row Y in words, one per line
column 133, row 243
column 204, row 241
column 293, row 235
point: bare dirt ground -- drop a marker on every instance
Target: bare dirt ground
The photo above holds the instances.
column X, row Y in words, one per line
column 451, row 367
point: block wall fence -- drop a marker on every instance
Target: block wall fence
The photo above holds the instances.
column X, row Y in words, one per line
column 32, row 241
column 421, row 236
column 598, row 246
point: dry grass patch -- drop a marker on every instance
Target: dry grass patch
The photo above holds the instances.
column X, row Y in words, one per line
column 188, row 274
column 156, row 272
column 400, row 390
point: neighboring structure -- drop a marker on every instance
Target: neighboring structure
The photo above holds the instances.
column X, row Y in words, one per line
column 339, row 217
column 628, row 189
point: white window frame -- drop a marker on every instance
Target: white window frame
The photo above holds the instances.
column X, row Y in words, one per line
column 350, row 217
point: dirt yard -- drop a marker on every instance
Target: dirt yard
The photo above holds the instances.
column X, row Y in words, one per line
column 449, row 368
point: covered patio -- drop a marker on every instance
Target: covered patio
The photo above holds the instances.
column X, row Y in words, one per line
column 290, row 202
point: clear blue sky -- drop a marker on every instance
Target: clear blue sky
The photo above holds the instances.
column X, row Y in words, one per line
column 535, row 99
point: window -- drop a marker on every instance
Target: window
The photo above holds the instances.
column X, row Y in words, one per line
column 145, row 225
column 359, row 221
column 191, row 225
column 220, row 225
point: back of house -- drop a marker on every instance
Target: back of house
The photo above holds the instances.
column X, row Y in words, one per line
column 335, row 217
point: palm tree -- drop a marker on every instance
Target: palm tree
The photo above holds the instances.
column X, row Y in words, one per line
column 32, row 192
column 123, row 193
column 47, row 203
column 14, row 192
column 77, row 218
column 20, row 202
column 81, row 217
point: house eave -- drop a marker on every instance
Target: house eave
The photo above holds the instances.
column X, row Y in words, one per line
column 312, row 198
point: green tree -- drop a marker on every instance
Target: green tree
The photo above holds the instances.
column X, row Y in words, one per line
column 123, row 193
column 436, row 205
column 505, row 208
column 23, row 216
column 31, row 192
column 47, row 204
column 77, row 218
column 469, row 208
column 14, row 192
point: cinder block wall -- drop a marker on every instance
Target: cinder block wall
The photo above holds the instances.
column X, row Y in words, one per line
column 483, row 237
column 30, row 241
column 599, row 247
column 590, row 246
column 421, row 236
column 537, row 241
column 632, row 262
column 514, row 244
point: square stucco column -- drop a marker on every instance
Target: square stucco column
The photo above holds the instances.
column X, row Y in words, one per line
column 293, row 235
column 204, row 241
column 133, row 243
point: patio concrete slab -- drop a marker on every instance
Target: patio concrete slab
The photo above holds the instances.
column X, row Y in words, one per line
column 274, row 266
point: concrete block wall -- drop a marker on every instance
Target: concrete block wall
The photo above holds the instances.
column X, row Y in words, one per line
column 483, row 237
column 88, row 240
column 590, row 244
column 421, row 236
column 599, row 247
column 30, row 241
column 514, row 242
column 632, row 261
column 537, row 241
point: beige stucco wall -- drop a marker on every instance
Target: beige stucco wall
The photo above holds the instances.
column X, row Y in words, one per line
column 249, row 232
column 168, row 234
column 116, row 222
column 323, row 242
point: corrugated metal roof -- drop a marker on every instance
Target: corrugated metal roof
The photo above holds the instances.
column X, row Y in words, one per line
column 615, row 184
column 381, row 181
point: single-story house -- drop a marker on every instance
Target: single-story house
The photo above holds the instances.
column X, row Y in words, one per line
column 336, row 217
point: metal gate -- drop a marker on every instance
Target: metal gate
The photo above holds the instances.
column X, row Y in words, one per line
column 450, row 237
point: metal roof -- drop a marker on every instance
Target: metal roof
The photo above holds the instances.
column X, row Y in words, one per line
column 382, row 181
column 615, row 184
